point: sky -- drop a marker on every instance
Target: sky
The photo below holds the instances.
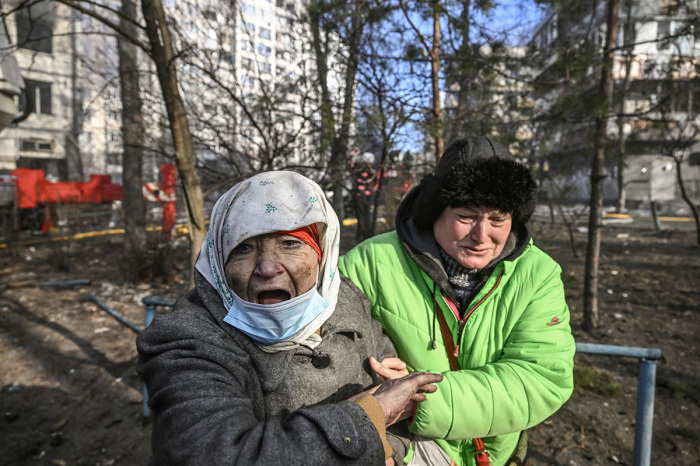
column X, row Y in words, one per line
column 516, row 19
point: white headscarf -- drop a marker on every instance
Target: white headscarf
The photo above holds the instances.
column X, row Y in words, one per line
column 266, row 203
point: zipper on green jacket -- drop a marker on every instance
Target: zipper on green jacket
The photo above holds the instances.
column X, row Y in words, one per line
column 463, row 321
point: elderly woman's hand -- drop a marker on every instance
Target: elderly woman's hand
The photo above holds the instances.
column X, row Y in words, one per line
column 399, row 396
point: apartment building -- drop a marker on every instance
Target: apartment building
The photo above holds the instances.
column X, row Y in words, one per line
column 46, row 38
column 245, row 68
column 655, row 99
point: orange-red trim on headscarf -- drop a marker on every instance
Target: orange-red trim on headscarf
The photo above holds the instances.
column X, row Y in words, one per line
column 309, row 235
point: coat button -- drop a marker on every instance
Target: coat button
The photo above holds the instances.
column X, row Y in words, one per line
column 347, row 440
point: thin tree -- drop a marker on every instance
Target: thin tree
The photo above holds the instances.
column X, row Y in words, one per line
column 590, row 289
column 324, row 19
column 133, row 136
column 431, row 49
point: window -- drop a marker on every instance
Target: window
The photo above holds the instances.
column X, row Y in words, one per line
column 35, row 27
column 246, row 63
column 38, row 96
column 114, row 158
column 113, row 115
column 663, row 30
column 247, row 81
column 280, row 3
column 36, row 145
column 264, row 50
column 626, row 34
column 114, row 137
column 112, row 93
column 248, row 46
column 265, row 33
column 290, row 7
column 265, row 68
column 247, row 26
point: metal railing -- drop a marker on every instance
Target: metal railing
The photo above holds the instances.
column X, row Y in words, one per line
column 150, row 304
column 645, row 391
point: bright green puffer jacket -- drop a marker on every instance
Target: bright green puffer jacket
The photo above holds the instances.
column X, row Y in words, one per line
column 515, row 350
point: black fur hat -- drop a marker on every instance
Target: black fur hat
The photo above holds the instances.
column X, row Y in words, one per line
column 476, row 172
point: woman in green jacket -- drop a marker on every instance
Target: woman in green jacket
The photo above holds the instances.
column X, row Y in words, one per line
column 461, row 276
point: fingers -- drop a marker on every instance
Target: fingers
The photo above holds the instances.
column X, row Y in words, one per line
column 384, row 371
column 425, row 378
column 395, row 364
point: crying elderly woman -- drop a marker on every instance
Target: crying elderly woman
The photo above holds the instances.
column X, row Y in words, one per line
column 265, row 361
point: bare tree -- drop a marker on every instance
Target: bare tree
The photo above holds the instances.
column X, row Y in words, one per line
column 331, row 23
column 431, row 49
column 590, row 286
column 133, row 138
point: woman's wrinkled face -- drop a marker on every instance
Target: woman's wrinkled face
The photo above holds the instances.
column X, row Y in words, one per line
column 473, row 236
column 271, row 268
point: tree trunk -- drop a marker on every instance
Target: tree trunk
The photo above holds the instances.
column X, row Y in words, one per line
column 655, row 216
column 339, row 149
column 327, row 130
column 134, row 207
column 74, row 160
column 161, row 45
column 621, row 191
column 686, row 198
column 435, row 80
column 590, row 291
column 464, row 54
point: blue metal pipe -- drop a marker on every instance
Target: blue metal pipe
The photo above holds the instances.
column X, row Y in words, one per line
column 66, row 283
column 645, row 412
column 150, row 303
column 122, row 320
column 625, row 351
column 645, row 391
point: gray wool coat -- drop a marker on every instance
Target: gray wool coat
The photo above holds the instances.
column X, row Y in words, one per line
column 218, row 399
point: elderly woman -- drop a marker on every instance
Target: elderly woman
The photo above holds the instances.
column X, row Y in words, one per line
column 461, row 289
column 266, row 360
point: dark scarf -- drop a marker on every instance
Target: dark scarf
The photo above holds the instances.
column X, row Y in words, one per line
column 461, row 279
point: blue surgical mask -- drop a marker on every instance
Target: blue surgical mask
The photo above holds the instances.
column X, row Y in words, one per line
column 274, row 323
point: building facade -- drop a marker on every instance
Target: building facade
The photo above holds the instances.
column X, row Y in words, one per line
column 46, row 36
column 654, row 105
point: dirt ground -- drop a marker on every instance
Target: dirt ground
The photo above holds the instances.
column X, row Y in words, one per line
column 70, row 395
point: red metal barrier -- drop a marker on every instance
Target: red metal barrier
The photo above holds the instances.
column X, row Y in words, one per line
column 168, row 174
column 33, row 189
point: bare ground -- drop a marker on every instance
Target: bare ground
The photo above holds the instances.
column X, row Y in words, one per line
column 70, row 395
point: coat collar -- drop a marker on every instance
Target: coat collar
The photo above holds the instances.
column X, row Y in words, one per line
column 272, row 367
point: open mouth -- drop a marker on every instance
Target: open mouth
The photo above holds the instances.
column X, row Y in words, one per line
column 272, row 297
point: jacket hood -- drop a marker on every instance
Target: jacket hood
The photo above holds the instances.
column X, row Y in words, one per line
column 420, row 242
